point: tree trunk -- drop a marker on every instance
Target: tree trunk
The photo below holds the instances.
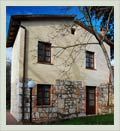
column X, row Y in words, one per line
column 100, row 40
column 108, row 62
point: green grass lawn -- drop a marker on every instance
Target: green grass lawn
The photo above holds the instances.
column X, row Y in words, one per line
column 107, row 119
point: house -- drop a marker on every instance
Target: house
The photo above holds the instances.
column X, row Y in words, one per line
column 70, row 81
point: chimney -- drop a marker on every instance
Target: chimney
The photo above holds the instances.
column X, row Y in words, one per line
column 103, row 31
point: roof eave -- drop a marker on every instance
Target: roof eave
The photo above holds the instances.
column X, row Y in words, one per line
column 16, row 20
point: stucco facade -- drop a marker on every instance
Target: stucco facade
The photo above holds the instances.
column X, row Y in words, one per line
column 58, row 33
column 16, row 69
column 42, row 31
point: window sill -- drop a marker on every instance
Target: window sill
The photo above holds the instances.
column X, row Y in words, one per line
column 90, row 68
column 44, row 63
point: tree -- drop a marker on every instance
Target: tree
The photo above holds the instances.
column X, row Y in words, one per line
column 104, row 17
column 106, row 13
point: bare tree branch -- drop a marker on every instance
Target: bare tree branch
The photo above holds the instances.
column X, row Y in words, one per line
column 109, row 17
column 65, row 47
column 100, row 40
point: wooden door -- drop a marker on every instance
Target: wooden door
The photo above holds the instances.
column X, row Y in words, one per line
column 90, row 100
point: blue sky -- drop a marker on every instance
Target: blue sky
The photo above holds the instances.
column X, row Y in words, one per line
column 13, row 10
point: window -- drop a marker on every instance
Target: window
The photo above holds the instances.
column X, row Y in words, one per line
column 89, row 60
column 43, row 94
column 44, row 52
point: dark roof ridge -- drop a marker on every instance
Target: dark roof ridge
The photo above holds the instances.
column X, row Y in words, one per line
column 39, row 16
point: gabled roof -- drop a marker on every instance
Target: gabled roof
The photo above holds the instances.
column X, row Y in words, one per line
column 15, row 22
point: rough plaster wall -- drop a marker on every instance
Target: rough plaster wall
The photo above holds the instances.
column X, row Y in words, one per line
column 21, row 59
column 42, row 73
column 15, row 76
column 101, row 72
column 16, row 69
column 105, row 99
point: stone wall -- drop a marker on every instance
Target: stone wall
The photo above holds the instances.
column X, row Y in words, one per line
column 68, row 100
column 105, row 98
column 15, row 100
column 70, row 97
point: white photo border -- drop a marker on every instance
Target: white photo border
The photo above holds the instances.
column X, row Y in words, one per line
column 3, row 126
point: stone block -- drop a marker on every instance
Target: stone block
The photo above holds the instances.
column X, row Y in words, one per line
column 39, row 109
column 81, row 114
column 67, row 82
column 26, row 116
column 62, row 83
column 69, row 95
column 54, row 115
column 77, row 92
column 46, row 109
column 27, row 109
column 57, row 82
column 35, row 109
column 71, row 106
column 37, row 115
column 33, row 115
column 60, row 110
column 78, row 108
column 63, row 91
column 27, row 104
column 72, row 110
column 74, row 101
column 53, row 109
column 62, row 87
column 60, row 103
column 43, row 115
column 64, row 96
column 54, row 97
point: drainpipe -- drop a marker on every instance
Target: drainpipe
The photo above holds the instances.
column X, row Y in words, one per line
column 24, row 74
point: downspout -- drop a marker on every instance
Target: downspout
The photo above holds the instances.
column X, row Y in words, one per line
column 24, row 74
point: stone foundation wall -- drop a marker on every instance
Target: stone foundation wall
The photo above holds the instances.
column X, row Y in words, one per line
column 105, row 99
column 15, row 100
column 70, row 97
column 68, row 100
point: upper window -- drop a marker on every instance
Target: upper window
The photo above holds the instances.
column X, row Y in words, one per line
column 43, row 94
column 89, row 60
column 44, row 52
